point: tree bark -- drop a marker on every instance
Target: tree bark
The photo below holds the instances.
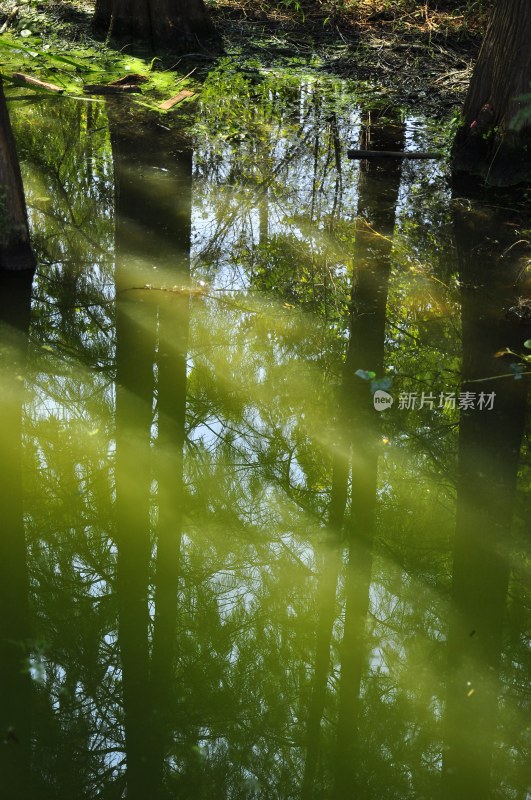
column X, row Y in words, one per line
column 169, row 24
column 494, row 140
column 15, row 249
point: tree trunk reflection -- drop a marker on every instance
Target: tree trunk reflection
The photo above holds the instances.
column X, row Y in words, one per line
column 15, row 686
column 154, row 208
column 489, row 448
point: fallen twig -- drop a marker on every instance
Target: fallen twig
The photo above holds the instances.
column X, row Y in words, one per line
column 129, row 80
column 105, row 88
column 167, row 104
column 27, row 80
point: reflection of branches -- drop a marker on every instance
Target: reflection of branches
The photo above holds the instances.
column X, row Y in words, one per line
column 248, row 200
column 339, row 175
column 79, row 227
column 267, row 471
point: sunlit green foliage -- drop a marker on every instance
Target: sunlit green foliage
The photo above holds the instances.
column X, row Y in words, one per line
column 74, row 67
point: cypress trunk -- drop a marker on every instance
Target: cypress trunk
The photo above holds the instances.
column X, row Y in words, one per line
column 15, row 249
column 168, row 24
column 494, row 140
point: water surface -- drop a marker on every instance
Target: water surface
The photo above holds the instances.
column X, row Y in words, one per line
column 232, row 572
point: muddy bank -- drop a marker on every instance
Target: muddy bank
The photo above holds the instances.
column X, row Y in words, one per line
column 420, row 58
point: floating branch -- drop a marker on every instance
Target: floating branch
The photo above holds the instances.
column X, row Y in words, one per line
column 372, row 154
column 190, row 291
column 104, row 88
column 130, row 80
column 167, row 104
column 27, row 80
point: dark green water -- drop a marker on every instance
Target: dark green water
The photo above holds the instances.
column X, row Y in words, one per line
column 227, row 571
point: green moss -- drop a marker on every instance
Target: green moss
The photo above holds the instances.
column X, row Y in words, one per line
column 73, row 68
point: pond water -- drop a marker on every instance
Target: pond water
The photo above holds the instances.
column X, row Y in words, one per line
column 264, row 433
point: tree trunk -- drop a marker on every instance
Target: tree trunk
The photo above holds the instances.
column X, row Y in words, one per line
column 170, row 24
column 495, row 138
column 15, row 249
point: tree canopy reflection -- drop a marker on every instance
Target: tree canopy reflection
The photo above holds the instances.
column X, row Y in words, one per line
column 240, row 574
